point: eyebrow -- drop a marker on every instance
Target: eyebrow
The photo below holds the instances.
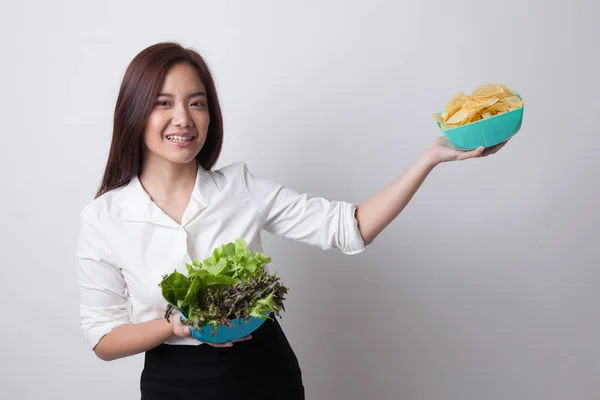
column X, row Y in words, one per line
column 197, row 94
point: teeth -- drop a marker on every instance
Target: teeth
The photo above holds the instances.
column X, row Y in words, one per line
column 180, row 138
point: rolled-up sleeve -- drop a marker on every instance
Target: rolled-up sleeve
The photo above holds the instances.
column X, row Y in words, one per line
column 103, row 292
column 298, row 216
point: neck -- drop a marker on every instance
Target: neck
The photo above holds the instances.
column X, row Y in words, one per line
column 164, row 180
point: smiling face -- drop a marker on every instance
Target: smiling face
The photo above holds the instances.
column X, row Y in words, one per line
column 178, row 124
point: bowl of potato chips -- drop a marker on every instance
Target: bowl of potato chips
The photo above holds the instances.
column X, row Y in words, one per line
column 490, row 115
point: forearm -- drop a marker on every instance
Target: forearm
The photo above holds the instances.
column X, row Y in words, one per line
column 381, row 209
column 127, row 340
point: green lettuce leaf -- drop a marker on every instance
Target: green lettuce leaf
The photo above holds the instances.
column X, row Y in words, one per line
column 263, row 306
column 196, row 291
column 175, row 287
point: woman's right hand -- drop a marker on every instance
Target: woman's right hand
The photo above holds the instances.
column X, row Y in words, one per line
column 182, row 330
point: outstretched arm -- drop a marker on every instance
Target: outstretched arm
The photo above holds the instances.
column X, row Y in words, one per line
column 381, row 209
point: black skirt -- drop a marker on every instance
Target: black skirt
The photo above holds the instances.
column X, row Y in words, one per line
column 264, row 367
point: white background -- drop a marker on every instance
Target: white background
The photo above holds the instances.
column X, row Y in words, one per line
column 485, row 287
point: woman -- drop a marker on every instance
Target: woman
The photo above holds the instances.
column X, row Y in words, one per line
column 160, row 205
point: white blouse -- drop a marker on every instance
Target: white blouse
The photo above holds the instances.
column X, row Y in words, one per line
column 127, row 243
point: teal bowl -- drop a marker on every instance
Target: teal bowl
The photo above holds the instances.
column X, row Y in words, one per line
column 225, row 334
column 486, row 132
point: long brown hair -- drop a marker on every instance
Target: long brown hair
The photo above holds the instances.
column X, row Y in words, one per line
column 141, row 85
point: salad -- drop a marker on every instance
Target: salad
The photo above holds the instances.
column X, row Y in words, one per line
column 231, row 283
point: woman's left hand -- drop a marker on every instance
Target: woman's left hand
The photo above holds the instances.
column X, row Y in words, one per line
column 442, row 151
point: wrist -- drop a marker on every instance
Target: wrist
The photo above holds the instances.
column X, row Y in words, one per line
column 429, row 161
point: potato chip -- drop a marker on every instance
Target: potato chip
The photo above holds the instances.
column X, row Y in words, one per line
column 438, row 118
column 499, row 108
column 492, row 90
column 453, row 105
column 486, row 101
column 513, row 102
column 459, row 117
column 490, row 102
